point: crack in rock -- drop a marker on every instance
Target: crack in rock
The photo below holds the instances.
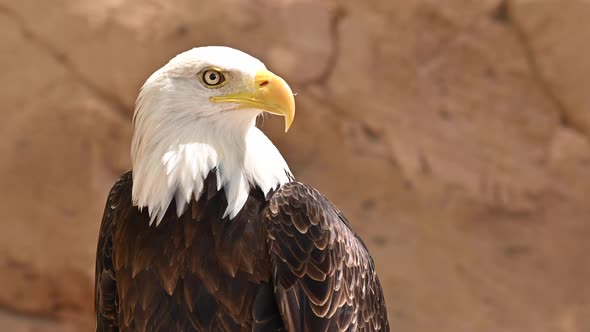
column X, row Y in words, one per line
column 503, row 14
column 335, row 22
column 372, row 134
column 61, row 58
column 16, row 313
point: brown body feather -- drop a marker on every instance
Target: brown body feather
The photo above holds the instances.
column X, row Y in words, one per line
column 289, row 262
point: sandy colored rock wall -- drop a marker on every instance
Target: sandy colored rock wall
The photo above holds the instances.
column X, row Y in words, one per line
column 455, row 135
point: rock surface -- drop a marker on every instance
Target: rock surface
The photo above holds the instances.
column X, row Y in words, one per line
column 455, row 136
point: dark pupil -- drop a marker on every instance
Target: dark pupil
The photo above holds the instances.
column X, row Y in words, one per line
column 212, row 77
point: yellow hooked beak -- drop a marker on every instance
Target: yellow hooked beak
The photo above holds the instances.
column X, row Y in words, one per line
column 269, row 93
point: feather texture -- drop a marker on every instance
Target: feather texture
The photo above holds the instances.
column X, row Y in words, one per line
column 323, row 275
column 289, row 264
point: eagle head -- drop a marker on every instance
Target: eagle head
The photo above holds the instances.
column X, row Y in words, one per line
column 217, row 83
column 197, row 114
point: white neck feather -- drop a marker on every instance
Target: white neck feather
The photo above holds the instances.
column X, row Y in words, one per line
column 172, row 156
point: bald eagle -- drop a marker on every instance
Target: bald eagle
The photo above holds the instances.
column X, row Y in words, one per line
column 210, row 231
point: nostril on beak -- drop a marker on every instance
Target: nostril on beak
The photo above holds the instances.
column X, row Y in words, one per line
column 263, row 83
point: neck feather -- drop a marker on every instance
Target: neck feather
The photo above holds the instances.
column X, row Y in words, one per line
column 172, row 159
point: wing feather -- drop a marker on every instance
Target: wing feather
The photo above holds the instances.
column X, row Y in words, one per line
column 105, row 290
column 323, row 275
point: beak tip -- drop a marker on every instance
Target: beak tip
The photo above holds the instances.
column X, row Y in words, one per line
column 288, row 123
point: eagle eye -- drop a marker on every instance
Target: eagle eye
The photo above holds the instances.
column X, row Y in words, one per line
column 213, row 78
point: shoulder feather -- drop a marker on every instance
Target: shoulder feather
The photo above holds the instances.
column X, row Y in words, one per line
column 324, row 277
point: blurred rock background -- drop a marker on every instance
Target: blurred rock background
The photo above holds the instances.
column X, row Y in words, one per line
column 454, row 134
